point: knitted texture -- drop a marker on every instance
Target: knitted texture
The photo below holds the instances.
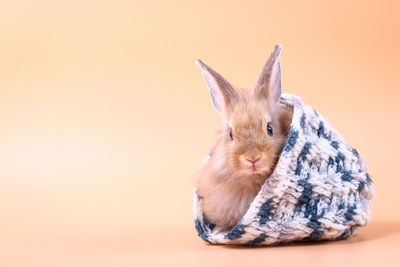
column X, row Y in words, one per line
column 319, row 189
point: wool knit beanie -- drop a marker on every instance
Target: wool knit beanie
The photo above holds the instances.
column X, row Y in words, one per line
column 319, row 189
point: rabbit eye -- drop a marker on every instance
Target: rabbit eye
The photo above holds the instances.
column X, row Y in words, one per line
column 269, row 129
column 230, row 134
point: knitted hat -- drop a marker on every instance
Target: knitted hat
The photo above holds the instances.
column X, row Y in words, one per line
column 319, row 189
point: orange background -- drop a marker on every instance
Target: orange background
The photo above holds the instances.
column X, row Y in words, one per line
column 105, row 120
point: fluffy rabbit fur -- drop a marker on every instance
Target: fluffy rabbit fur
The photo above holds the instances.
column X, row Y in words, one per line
column 253, row 131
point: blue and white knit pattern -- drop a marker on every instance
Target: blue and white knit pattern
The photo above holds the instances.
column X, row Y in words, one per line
column 319, row 190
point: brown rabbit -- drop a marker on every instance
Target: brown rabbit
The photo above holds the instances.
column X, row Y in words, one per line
column 254, row 130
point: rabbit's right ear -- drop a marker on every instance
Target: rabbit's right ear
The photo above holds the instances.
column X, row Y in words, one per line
column 269, row 83
column 222, row 93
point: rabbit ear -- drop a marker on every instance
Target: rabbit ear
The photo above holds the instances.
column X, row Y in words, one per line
column 269, row 82
column 222, row 93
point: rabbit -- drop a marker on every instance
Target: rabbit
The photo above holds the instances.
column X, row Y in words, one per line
column 252, row 135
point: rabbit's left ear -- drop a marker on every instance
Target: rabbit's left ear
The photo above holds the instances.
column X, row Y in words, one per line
column 222, row 92
column 269, row 83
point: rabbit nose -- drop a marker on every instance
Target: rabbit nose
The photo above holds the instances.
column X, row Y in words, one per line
column 253, row 160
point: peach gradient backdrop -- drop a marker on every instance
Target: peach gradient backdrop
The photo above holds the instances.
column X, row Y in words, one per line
column 105, row 119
